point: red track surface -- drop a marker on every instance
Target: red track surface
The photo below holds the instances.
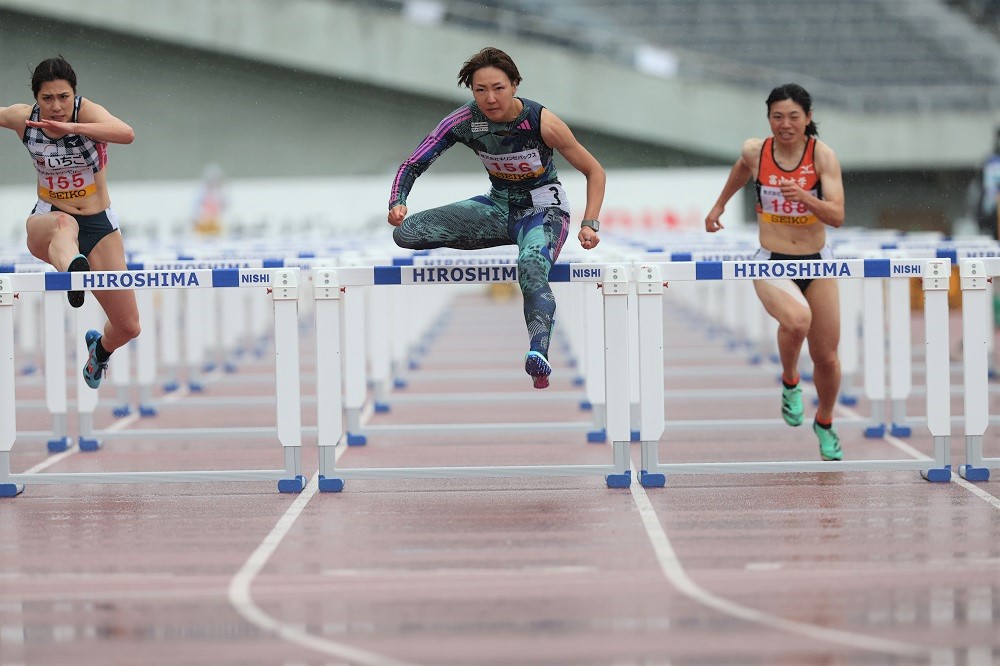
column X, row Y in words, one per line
column 798, row 568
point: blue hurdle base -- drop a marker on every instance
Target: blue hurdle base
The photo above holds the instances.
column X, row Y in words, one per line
column 848, row 400
column 170, row 387
column 121, row 411
column 900, row 430
column 196, row 387
column 59, row 445
column 938, row 475
column 147, row 410
column 11, row 489
column 619, row 480
column 295, row 485
column 634, row 436
column 356, row 440
column 87, row 444
column 332, row 485
column 875, row 431
column 586, row 406
column 648, row 480
column 399, row 383
column 970, row 473
column 597, row 436
column 381, row 407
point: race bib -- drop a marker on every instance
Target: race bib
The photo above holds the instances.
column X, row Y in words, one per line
column 514, row 167
column 66, row 186
column 775, row 209
column 550, row 196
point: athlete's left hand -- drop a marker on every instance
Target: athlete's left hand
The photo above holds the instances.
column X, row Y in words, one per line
column 53, row 128
column 588, row 238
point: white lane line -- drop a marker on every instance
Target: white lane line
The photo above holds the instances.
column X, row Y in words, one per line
column 672, row 568
column 241, row 599
column 909, row 450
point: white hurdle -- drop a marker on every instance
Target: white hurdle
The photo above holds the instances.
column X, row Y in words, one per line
column 284, row 287
column 977, row 332
column 332, row 284
column 936, row 274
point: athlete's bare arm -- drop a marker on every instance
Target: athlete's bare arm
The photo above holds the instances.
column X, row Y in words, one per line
column 13, row 117
column 829, row 209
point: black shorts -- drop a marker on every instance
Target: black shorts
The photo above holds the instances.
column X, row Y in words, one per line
column 802, row 284
column 92, row 227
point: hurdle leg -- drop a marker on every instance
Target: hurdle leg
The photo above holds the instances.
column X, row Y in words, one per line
column 329, row 375
column 900, row 355
column 8, row 423
column 649, row 297
column 170, row 340
column 616, row 364
column 977, row 327
column 874, row 355
column 285, row 293
column 936, row 280
column 54, row 312
column 355, row 374
column 593, row 309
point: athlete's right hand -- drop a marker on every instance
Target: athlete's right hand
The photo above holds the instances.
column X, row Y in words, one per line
column 396, row 215
column 712, row 222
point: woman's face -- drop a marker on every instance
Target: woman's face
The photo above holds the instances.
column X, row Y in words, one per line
column 494, row 94
column 788, row 121
column 55, row 100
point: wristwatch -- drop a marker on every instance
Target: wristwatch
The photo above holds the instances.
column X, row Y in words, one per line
column 593, row 224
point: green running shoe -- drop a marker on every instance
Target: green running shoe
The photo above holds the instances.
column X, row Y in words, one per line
column 791, row 405
column 829, row 443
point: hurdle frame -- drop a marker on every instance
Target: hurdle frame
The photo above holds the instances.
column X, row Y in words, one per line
column 650, row 277
column 330, row 285
column 284, row 286
column 975, row 276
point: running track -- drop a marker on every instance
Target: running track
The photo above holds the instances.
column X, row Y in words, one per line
column 802, row 568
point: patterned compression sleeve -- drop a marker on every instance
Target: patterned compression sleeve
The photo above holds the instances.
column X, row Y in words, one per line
column 433, row 145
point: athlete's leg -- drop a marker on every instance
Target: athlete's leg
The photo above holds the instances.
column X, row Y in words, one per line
column 540, row 235
column 52, row 237
column 824, row 338
column 472, row 224
column 784, row 301
column 119, row 305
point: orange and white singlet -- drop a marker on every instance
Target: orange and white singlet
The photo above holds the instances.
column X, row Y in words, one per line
column 771, row 206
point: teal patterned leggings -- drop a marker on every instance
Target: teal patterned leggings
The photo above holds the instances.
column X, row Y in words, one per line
column 482, row 222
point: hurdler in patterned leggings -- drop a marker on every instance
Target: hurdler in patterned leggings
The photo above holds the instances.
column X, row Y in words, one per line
column 492, row 221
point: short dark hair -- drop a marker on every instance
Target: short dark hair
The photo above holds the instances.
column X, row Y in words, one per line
column 797, row 94
column 53, row 69
column 488, row 57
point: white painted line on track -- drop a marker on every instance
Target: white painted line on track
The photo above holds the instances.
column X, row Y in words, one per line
column 241, row 599
column 672, row 568
column 955, row 478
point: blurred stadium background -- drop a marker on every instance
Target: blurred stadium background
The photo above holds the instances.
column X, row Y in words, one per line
column 305, row 93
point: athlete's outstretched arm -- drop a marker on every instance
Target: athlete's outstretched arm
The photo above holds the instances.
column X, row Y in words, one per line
column 558, row 136
column 739, row 176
